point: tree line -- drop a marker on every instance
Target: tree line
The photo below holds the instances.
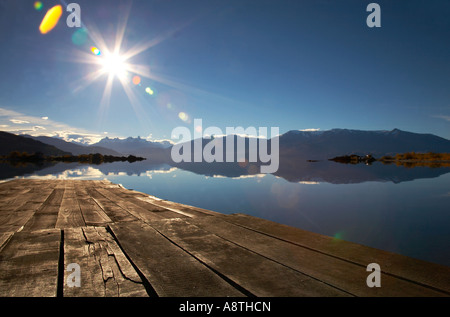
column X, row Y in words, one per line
column 409, row 159
column 38, row 157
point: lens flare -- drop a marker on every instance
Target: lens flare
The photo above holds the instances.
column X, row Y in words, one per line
column 38, row 5
column 79, row 37
column 183, row 116
column 95, row 50
column 136, row 80
column 149, row 91
column 51, row 19
column 338, row 236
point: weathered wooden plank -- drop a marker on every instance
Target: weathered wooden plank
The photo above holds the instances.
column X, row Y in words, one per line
column 15, row 199
column 4, row 238
column 16, row 211
column 170, row 270
column 9, row 196
column 424, row 273
column 137, row 199
column 186, row 210
column 45, row 217
column 77, row 250
column 114, row 212
column 133, row 209
column 132, row 196
column 29, row 264
column 93, row 214
column 253, row 272
column 69, row 214
column 345, row 275
column 104, row 269
column 14, row 221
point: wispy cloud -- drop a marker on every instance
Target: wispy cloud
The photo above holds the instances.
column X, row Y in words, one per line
column 444, row 117
column 19, row 123
column 310, row 130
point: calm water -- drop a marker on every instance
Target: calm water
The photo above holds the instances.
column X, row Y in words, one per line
column 392, row 208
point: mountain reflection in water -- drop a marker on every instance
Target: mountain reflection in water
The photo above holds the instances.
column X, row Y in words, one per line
column 301, row 171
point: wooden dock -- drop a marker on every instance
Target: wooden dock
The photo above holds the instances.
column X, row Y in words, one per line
column 128, row 243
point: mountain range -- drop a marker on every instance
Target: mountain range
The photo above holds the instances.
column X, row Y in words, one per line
column 320, row 145
column 74, row 148
column 294, row 146
column 136, row 146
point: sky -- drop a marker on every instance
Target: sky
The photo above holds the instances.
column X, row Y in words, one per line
column 295, row 65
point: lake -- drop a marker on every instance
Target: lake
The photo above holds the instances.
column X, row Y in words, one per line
column 394, row 208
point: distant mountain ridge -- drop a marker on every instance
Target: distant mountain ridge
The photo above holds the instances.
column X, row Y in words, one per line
column 10, row 142
column 136, row 146
column 330, row 143
column 73, row 148
column 324, row 145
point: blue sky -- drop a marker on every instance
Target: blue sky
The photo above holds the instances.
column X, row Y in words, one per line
column 266, row 63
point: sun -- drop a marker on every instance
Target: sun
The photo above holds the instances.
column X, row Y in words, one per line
column 114, row 65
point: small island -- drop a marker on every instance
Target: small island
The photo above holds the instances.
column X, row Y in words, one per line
column 354, row 159
column 409, row 159
column 412, row 159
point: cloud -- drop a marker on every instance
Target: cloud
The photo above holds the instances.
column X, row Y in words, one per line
column 71, row 135
column 444, row 117
column 309, row 130
column 150, row 173
column 18, row 121
column 43, row 126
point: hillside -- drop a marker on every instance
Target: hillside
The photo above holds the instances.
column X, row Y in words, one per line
column 73, row 148
column 10, row 142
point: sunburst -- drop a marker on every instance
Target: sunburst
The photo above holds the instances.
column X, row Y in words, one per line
column 115, row 63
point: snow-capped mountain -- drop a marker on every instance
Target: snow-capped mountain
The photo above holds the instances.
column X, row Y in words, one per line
column 75, row 149
column 135, row 146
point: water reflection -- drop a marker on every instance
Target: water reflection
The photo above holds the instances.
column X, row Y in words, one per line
column 399, row 209
column 81, row 171
column 299, row 172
